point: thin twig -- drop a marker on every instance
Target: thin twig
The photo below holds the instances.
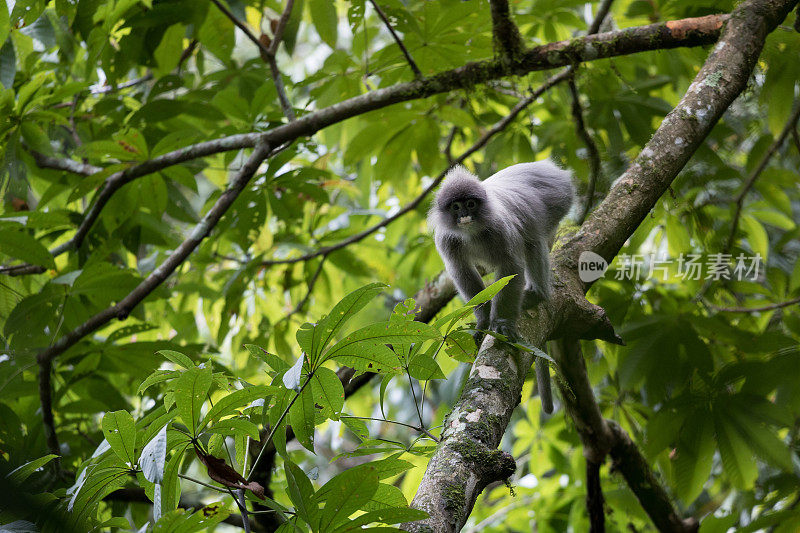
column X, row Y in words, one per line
column 790, row 125
column 448, row 145
column 382, row 15
column 580, row 123
column 796, row 136
column 420, row 429
column 591, row 148
column 279, row 29
column 242, row 26
column 276, row 426
column 770, row 307
column 498, row 127
column 207, row 485
column 68, row 165
column 602, row 12
column 268, row 54
column 311, row 283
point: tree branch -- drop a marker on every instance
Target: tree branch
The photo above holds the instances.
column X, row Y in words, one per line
column 382, row 16
column 267, row 54
column 770, row 307
column 68, row 165
column 602, row 12
column 480, row 416
column 480, row 143
column 242, row 26
column 591, row 148
column 505, row 34
column 158, row 276
column 672, row 34
column 787, row 129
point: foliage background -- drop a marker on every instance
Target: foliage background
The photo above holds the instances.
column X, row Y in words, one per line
column 710, row 395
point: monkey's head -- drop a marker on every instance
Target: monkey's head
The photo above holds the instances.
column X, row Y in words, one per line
column 461, row 203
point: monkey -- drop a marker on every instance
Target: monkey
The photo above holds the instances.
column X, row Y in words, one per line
column 507, row 224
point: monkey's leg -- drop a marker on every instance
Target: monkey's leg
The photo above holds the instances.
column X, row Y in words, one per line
column 537, row 271
column 506, row 304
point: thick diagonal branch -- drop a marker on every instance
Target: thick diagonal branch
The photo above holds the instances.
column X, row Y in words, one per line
column 480, row 416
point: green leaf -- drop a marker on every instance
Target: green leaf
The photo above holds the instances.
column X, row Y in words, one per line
column 386, row 496
column 345, row 494
column 320, row 336
column 301, row 493
column 273, row 361
column 423, row 367
column 5, row 25
column 8, row 64
column 365, row 349
column 177, row 358
column 737, row 461
column 21, row 473
column 234, row 427
column 694, row 457
column 228, row 404
column 158, row 376
column 461, row 346
column 328, row 392
column 302, row 418
column 20, row 245
column 756, row 236
column 120, row 432
column 323, row 15
column 489, row 292
column 389, row 515
column 357, row 426
column 190, row 394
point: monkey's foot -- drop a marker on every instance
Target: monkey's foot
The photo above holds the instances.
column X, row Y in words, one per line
column 506, row 328
column 533, row 297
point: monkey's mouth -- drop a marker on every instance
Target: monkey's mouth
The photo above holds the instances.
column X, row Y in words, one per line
column 464, row 221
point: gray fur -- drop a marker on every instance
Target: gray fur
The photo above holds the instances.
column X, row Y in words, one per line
column 508, row 224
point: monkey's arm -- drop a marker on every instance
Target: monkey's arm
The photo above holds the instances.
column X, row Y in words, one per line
column 464, row 275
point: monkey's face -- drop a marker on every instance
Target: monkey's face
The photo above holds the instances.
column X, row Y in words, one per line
column 466, row 212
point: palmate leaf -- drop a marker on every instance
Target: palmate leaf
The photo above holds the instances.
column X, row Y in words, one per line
column 737, row 460
column 365, row 349
column 345, row 494
column 314, row 339
column 694, row 457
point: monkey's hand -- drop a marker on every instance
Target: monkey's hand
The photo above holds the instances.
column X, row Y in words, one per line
column 506, row 328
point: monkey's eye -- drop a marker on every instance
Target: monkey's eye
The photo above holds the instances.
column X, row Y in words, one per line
column 471, row 204
column 455, row 207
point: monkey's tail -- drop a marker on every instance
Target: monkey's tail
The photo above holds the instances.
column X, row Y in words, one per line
column 543, row 384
